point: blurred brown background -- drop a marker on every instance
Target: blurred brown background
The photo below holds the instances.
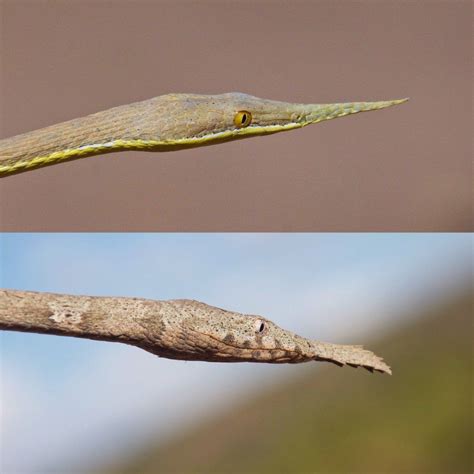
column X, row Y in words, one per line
column 406, row 168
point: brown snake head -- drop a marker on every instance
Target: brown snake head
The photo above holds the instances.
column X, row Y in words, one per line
column 201, row 332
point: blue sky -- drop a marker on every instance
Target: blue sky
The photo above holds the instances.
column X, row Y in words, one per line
column 335, row 287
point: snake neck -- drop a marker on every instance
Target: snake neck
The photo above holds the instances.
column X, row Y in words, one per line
column 106, row 319
column 159, row 327
column 119, row 128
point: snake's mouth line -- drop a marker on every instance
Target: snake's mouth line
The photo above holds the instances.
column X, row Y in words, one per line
column 143, row 144
column 288, row 354
column 233, row 132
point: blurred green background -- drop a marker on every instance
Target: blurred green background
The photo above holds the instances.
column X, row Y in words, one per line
column 344, row 420
column 76, row 406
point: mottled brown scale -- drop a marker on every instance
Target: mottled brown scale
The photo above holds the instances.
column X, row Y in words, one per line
column 176, row 329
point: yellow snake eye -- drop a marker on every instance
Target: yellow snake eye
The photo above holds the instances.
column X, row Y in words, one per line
column 242, row 119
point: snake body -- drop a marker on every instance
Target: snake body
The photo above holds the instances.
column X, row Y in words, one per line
column 166, row 123
column 175, row 329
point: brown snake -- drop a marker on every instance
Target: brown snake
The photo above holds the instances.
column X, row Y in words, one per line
column 176, row 329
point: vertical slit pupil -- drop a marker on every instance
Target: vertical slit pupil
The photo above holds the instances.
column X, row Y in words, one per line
column 244, row 118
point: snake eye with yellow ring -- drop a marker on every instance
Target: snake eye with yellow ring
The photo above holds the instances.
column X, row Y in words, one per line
column 242, row 119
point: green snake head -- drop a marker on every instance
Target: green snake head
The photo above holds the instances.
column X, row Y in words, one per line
column 196, row 120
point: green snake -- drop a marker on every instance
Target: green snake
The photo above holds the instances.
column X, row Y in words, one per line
column 166, row 123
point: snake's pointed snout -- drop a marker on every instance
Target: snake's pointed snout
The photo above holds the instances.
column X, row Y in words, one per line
column 352, row 356
column 389, row 103
column 321, row 112
column 377, row 105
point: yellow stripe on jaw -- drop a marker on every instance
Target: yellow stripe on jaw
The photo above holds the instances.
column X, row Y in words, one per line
column 122, row 145
column 103, row 141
